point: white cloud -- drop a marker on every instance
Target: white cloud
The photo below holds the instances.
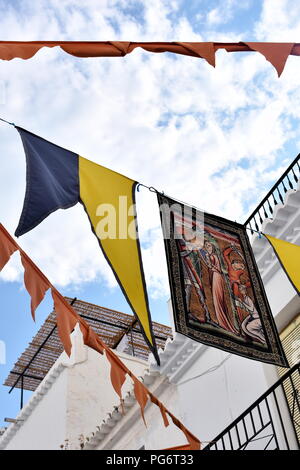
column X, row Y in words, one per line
column 225, row 11
column 207, row 136
column 280, row 21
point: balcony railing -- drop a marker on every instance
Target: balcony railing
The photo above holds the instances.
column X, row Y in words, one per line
column 271, row 423
column 289, row 180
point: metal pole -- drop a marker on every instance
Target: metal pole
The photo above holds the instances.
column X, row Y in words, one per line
column 36, row 353
column 22, row 392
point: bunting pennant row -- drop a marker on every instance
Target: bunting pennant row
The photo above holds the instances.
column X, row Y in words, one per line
column 58, row 179
column 288, row 254
column 67, row 319
column 217, row 294
column 275, row 52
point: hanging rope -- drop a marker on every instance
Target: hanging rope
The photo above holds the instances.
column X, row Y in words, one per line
column 7, row 122
column 154, row 190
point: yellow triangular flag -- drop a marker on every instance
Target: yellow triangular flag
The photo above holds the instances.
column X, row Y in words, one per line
column 57, row 179
column 109, row 200
column 288, row 255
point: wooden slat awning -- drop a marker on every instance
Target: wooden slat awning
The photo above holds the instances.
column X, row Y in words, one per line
column 107, row 323
column 275, row 52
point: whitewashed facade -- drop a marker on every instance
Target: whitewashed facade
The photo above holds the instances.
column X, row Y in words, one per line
column 76, row 407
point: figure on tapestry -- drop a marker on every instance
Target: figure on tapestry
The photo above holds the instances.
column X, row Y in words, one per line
column 218, row 290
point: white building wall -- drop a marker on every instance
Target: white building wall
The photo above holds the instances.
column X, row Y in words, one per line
column 204, row 387
column 90, row 395
column 45, row 428
column 207, row 395
column 222, row 393
column 133, row 434
column 75, row 397
column 206, row 405
column 211, row 388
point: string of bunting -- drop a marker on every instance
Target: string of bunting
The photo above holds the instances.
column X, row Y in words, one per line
column 58, row 178
column 275, row 52
column 37, row 284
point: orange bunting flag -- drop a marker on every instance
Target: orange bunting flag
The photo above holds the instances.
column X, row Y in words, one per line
column 194, row 442
column 7, row 247
column 90, row 338
column 66, row 322
column 117, row 373
column 275, row 52
column 36, row 285
column 141, row 396
column 163, row 410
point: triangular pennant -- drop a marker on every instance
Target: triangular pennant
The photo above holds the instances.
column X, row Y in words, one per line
column 66, row 321
column 90, row 338
column 141, row 396
column 7, row 247
column 35, row 284
column 163, row 410
column 109, row 200
column 205, row 50
column 117, row 373
column 193, row 441
column 58, row 179
column 51, row 180
column 288, row 255
column 276, row 53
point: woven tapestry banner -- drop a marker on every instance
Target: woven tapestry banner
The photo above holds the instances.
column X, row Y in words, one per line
column 217, row 294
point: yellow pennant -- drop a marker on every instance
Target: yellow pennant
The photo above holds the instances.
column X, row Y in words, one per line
column 109, row 200
column 288, row 255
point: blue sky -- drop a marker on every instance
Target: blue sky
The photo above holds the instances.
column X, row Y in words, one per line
column 217, row 138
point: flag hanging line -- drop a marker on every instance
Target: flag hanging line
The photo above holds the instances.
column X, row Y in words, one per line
column 37, row 284
column 154, row 190
column 288, row 254
column 57, row 178
column 144, row 320
column 274, row 52
column 151, row 188
column 7, row 122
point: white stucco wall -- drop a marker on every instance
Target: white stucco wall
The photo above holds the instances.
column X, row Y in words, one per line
column 90, row 395
column 215, row 399
column 133, row 434
column 206, row 405
column 214, row 388
column 204, row 387
column 206, row 396
column 45, row 427
column 73, row 399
